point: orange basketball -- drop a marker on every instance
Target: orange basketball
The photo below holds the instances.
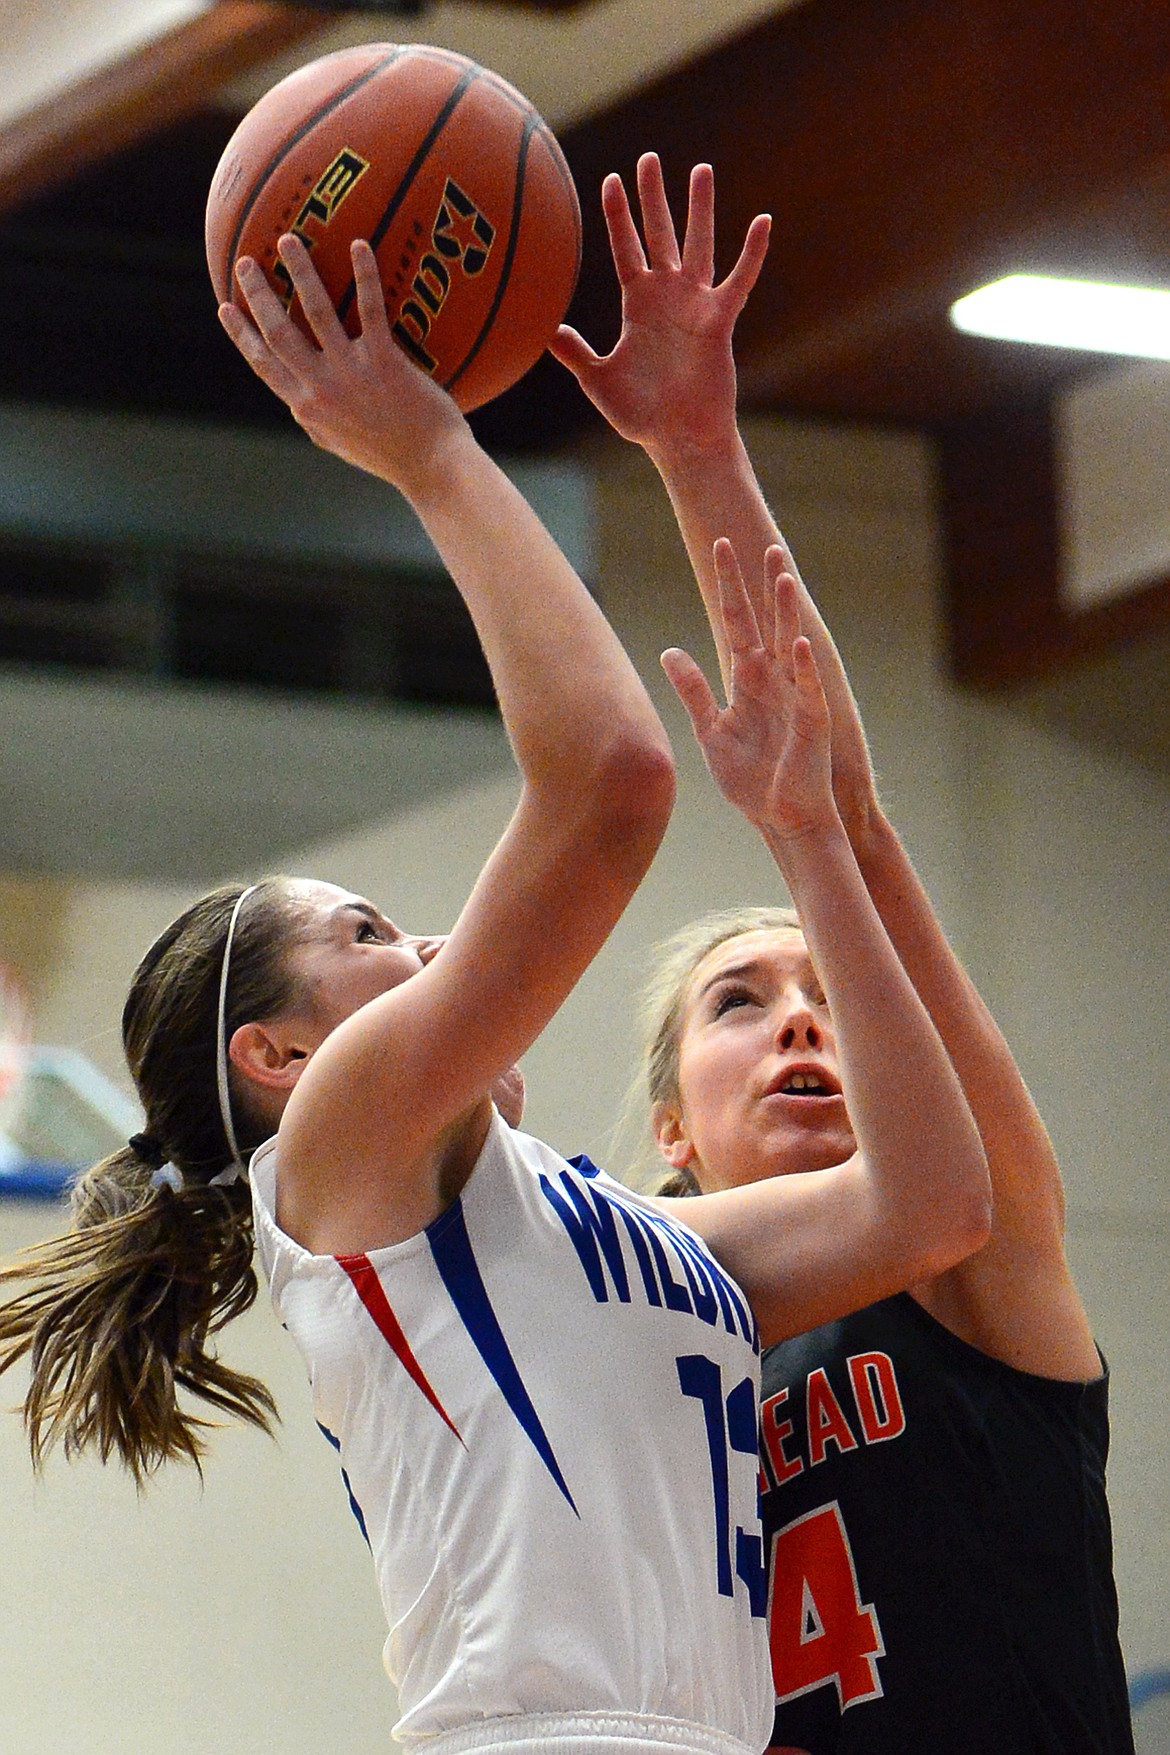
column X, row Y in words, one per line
column 450, row 174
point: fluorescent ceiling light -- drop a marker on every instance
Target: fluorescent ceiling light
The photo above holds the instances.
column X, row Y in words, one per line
column 1069, row 313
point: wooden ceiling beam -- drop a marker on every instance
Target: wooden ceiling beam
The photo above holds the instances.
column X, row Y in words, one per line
column 1009, row 621
column 132, row 98
column 907, row 149
column 159, row 84
column 998, row 500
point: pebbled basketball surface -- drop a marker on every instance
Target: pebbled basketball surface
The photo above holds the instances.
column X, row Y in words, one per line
column 453, row 177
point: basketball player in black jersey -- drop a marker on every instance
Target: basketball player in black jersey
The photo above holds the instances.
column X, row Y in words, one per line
column 934, row 1466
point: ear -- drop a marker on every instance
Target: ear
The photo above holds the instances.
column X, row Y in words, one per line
column 671, row 1133
column 270, row 1055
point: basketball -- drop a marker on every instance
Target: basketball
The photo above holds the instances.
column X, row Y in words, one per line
column 447, row 171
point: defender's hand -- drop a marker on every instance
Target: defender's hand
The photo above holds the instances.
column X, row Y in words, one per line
column 768, row 749
column 670, row 381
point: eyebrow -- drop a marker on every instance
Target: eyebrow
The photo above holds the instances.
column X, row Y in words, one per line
column 733, row 972
column 749, row 966
column 365, row 909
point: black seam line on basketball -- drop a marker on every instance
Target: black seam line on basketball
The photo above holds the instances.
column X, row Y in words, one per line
column 510, row 95
column 408, row 176
column 306, row 127
column 530, row 124
column 561, row 166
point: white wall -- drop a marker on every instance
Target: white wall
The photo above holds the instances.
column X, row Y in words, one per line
column 245, row 1616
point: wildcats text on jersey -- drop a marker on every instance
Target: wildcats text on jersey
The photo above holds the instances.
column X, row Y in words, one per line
column 868, row 1410
column 672, row 1266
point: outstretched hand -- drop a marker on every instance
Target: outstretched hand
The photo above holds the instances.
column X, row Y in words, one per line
column 671, row 378
column 359, row 397
column 768, row 749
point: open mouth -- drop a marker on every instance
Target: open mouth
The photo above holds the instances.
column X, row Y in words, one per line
column 804, row 1085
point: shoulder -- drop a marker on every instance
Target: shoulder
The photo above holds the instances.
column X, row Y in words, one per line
column 1018, row 1306
column 501, row 1163
column 926, row 1351
column 262, row 1178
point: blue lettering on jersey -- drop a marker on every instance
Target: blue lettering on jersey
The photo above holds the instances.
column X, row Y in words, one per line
column 589, row 1219
column 661, row 1248
column 674, row 1292
column 642, row 1257
column 734, row 1307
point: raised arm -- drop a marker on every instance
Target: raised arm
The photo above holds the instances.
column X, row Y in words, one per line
column 669, row 385
column 913, row 1197
column 1016, row 1298
column 596, row 773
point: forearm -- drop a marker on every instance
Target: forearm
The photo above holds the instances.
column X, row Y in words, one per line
column 1018, row 1148
column 545, row 639
column 714, row 490
column 909, row 1114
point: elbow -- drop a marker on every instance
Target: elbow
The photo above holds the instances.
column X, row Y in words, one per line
column 971, row 1229
column 982, row 1214
column 635, row 789
column 962, row 1225
column 607, row 810
column 974, row 1206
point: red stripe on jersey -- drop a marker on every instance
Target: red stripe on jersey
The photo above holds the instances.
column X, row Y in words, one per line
column 369, row 1289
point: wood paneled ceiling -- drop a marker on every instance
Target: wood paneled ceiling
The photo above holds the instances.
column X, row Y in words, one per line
column 908, row 150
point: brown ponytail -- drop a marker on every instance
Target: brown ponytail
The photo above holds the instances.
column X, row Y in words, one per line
column 116, row 1316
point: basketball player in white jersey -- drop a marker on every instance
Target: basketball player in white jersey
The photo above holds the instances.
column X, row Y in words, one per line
column 542, row 1388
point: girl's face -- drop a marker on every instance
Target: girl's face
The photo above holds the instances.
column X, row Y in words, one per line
column 352, row 954
column 760, row 1090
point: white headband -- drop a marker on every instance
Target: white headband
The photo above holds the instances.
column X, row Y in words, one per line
column 236, row 1170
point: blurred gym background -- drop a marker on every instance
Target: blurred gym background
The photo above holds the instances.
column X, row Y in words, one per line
column 223, row 653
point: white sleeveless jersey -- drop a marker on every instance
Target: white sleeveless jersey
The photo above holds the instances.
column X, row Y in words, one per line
column 545, row 1407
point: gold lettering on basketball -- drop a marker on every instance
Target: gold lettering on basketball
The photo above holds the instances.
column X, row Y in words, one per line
column 432, row 282
column 319, row 207
column 461, row 236
column 331, row 189
column 412, row 327
column 461, row 232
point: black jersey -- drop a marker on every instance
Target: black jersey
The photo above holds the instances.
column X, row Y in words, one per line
column 942, row 1576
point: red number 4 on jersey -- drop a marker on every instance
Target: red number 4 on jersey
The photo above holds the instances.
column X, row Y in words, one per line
column 821, row 1631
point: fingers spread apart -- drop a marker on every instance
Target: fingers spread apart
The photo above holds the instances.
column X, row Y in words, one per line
column 629, row 258
column 657, row 224
column 692, row 689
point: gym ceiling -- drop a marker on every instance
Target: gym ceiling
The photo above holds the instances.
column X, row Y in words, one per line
column 909, row 150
